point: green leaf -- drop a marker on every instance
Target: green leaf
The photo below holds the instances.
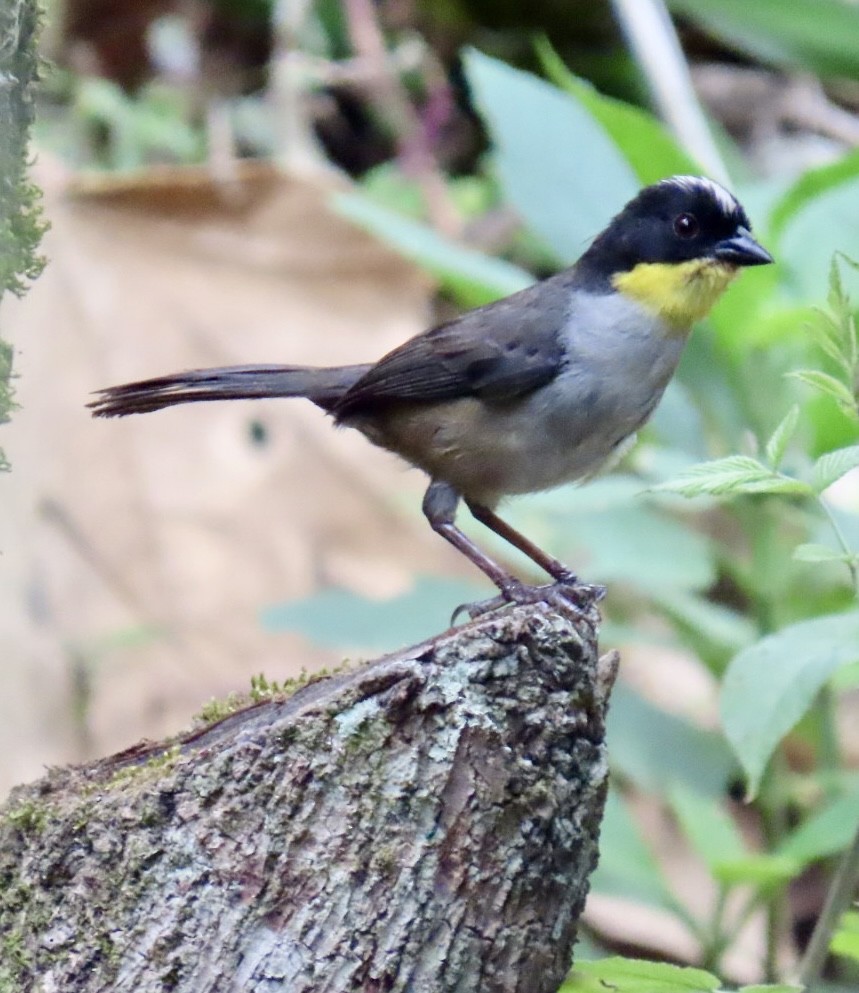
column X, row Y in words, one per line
column 828, row 333
column 826, row 833
column 732, row 476
column 756, row 869
column 833, row 465
column 818, row 553
column 713, row 834
column 813, row 34
column 643, row 139
column 707, row 826
column 828, row 385
column 658, row 750
column 344, row 620
column 774, row 988
column 627, row 867
column 781, row 437
column 539, row 134
column 712, row 627
column 829, row 221
column 769, row 686
column 470, row 276
column 845, row 941
column 631, row 544
column 810, row 185
column 622, row 975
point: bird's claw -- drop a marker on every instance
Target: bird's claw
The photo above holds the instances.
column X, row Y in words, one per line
column 566, row 594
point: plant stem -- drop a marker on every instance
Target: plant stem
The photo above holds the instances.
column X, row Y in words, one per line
column 712, row 949
column 830, row 754
column 837, row 901
column 774, row 826
column 850, row 560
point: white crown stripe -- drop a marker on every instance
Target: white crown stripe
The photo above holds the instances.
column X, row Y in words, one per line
column 727, row 201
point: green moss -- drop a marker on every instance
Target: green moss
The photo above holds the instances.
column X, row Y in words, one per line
column 132, row 775
column 15, row 963
column 262, row 688
column 29, row 817
column 216, row 710
column 386, row 861
column 108, row 949
column 13, row 948
column 135, row 772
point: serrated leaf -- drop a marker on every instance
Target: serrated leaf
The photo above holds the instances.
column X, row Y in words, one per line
column 828, row 385
column 770, row 685
column 829, row 336
column 818, row 553
column 735, row 475
column 781, row 437
column 836, row 298
column 833, row 465
column 622, row 975
column 847, row 260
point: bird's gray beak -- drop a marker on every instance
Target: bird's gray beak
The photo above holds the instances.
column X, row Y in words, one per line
column 742, row 249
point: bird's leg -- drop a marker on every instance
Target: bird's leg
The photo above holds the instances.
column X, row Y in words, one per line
column 439, row 507
column 548, row 563
column 557, row 570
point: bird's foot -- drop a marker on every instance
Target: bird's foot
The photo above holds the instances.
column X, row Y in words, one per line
column 566, row 594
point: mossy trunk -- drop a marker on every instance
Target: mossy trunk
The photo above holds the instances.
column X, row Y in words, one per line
column 424, row 823
column 21, row 227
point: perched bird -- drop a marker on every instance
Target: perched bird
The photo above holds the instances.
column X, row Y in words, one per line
column 531, row 391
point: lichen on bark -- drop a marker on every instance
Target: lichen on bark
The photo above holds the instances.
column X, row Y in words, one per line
column 427, row 822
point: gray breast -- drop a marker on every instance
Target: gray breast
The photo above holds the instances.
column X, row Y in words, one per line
column 619, row 359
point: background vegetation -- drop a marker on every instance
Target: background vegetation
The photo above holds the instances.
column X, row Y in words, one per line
column 488, row 144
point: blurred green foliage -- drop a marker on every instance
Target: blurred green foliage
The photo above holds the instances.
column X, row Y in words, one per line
column 749, row 575
column 819, row 35
column 728, row 534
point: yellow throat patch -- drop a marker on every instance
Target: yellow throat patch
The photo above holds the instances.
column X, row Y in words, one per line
column 678, row 292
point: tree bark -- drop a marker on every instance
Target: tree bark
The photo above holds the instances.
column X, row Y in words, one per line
column 424, row 823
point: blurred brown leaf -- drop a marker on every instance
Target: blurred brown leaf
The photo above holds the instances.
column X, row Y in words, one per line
column 138, row 552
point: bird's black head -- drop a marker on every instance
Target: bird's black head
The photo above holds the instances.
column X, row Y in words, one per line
column 681, row 219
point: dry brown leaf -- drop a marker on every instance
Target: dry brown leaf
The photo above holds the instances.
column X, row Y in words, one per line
column 177, row 522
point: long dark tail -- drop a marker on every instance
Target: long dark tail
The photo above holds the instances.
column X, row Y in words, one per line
column 240, row 382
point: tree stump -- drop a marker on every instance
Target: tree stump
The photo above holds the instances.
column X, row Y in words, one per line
column 424, row 823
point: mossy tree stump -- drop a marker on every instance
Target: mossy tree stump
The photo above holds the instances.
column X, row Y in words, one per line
column 424, row 823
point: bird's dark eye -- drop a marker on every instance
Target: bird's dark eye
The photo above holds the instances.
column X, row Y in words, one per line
column 686, row 225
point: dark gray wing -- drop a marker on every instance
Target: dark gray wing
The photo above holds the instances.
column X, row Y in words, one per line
column 497, row 352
